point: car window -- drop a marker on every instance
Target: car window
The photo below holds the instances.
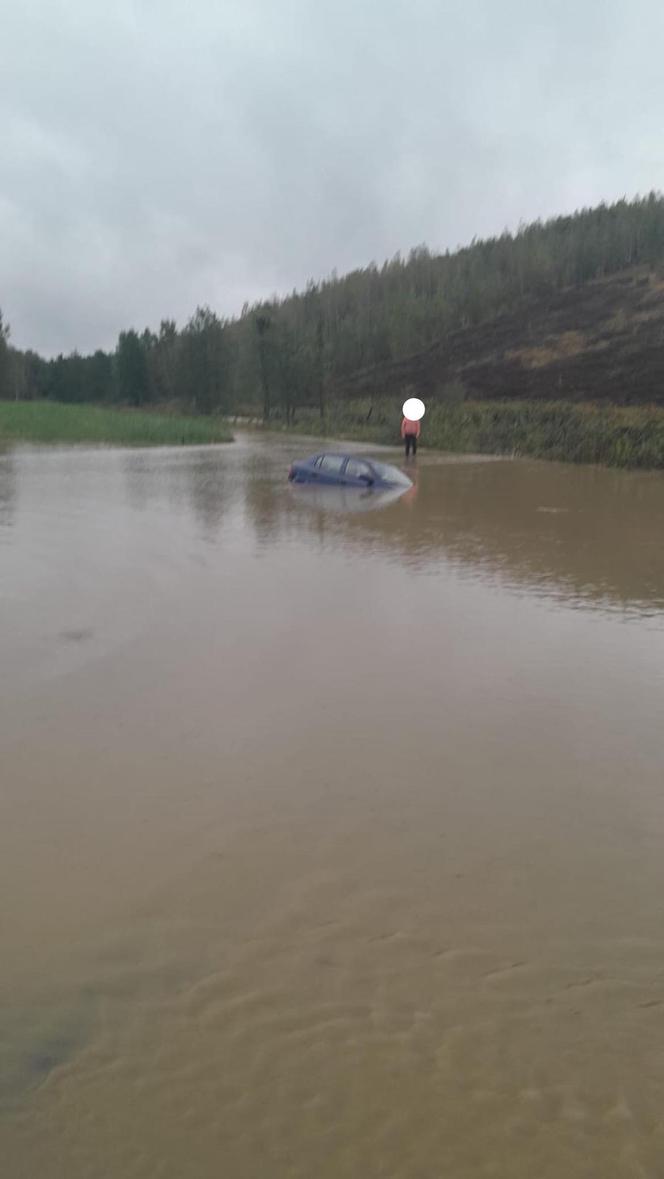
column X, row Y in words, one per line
column 314, row 461
column 356, row 469
column 332, row 463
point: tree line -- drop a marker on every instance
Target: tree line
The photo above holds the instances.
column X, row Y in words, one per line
column 298, row 350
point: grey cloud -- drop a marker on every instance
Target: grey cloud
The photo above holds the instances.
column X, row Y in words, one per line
column 154, row 157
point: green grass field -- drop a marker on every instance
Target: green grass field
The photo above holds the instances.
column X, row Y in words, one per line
column 614, row 436
column 51, row 422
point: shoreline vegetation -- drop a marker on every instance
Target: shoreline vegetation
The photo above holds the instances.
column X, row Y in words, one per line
column 44, row 422
column 606, row 435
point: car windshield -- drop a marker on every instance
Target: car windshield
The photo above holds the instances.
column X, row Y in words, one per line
column 391, row 474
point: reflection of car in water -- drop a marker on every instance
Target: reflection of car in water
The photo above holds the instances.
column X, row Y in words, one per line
column 348, row 470
column 331, row 498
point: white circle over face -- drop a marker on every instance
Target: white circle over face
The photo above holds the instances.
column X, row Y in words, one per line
column 413, row 409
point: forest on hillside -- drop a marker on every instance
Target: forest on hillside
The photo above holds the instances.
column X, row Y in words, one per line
column 303, row 349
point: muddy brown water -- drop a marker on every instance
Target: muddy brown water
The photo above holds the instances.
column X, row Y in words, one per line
column 331, row 831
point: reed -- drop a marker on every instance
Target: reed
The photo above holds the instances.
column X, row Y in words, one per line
column 614, row 436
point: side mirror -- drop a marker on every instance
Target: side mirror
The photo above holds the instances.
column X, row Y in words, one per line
column 367, row 479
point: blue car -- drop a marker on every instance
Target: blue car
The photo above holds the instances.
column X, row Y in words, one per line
column 347, row 470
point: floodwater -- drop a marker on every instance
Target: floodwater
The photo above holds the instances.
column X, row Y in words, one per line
column 331, row 839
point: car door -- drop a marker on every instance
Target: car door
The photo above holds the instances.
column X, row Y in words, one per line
column 330, row 467
column 310, row 471
column 357, row 473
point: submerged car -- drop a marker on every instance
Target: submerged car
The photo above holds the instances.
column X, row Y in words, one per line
column 347, row 470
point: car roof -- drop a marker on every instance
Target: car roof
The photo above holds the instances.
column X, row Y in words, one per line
column 337, row 454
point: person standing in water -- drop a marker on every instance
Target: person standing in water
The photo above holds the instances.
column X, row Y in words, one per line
column 410, row 432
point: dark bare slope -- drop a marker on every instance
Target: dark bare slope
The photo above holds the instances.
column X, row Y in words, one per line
column 603, row 341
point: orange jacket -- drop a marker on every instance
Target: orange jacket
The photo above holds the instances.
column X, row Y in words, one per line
column 408, row 427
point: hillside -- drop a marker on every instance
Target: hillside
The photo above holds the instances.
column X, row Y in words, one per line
column 570, row 310
column 601, row 342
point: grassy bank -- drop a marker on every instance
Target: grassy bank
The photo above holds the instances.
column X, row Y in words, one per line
column 44, row 422
column 570, row 432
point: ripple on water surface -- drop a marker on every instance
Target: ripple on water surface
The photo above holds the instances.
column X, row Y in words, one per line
column 332, row 841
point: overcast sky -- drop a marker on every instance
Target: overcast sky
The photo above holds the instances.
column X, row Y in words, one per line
column 155, row 154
